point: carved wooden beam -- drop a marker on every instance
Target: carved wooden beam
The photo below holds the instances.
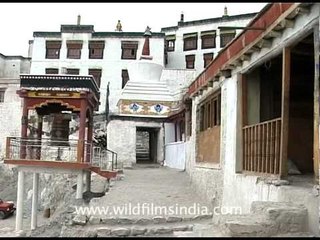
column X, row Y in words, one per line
column 264, row 43
column 285, row 23
column 273, row 34
column 226, row 73
column 245, row 57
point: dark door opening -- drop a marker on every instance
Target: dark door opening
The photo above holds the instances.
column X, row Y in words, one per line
column 146, row 145
column 301, row 106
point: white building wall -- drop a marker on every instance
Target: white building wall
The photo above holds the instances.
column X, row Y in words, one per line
column 121, row 138
column 176, row 58
column 11, row 108
column 111, row 64
column 206, row 179
column 178, row 81
column 240, row 190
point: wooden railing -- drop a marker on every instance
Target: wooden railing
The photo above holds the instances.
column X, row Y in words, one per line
column 261, row 147
column 18, row 148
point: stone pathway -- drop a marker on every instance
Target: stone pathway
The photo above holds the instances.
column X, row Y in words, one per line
column 148, row 192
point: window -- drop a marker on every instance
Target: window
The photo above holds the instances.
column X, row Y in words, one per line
column 73, row 71
column 74, row 50
column 53, row 49
column 2, row 91
column 190, row 61
column 125, row 77
column 207, row 58
column 129, row 49
column 96, row 49
column 208, row 39
column 96, row 73
column 52, row 70
column 226, row 37
column 190, row 41
column 210, row 112
column 170, row 42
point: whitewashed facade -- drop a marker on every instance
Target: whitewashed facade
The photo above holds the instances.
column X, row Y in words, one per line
column 226, row 184
column 111, row 64
column 176, row 59
column 10, row 104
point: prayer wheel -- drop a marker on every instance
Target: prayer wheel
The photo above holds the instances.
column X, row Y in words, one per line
column 60, row 129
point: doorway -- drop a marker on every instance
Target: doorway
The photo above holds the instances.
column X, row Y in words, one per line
column 146, row 145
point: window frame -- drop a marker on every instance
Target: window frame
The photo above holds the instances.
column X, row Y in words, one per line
column 205, row 37
column 223, row 35
column 190, row 39
column 192, row 57
column 97, row 74
column 96, row 46
column 74, row 50
column 54, row 70
column 210, row 112
column 205, row 59
column 72, row 69
column 124, row 73
column 2, row 94
column 53, row 46
column 127, row 46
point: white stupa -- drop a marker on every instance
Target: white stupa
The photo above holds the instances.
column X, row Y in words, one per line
column 144, row 94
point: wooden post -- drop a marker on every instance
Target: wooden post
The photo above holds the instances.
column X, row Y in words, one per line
column 89, row 140
column 24, row 130
column 8, row 147
column 285, row 100
column 316, row 147
column 83, row 113
column 39, row 136
column 240, row 145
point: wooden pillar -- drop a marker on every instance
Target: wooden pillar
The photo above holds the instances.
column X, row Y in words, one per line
column 24, row 129
column 82, row 128
column 285, row 100
column 316, row 147
column 39, row 136
column 241, row 121
column 89, row 139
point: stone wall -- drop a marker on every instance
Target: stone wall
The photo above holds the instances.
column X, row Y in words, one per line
column 122, row 139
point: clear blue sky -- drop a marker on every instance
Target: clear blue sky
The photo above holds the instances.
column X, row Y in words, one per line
column 18, row 21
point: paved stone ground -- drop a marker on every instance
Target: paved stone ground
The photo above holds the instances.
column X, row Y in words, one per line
column 156, row 186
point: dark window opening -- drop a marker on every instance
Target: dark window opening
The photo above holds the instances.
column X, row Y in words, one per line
column 190, row 61
column 190, row 42
column 2, row 92
column 96, row 49
column 207, row 58
column 53, row 49
column 73, row 71
column 208, row 40
column 74, row 50
column 96, row 73
column 210, row 112
column 225, row 38
column 125, row 77
column 129, row 50
column 52, row 71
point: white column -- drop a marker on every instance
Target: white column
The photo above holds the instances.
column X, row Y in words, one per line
column 35, row 195
column 79, row 185
column 20, row 191
column 88, row 181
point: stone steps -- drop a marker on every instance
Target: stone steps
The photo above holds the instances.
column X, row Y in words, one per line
column 123, row 226
column 264, row 220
